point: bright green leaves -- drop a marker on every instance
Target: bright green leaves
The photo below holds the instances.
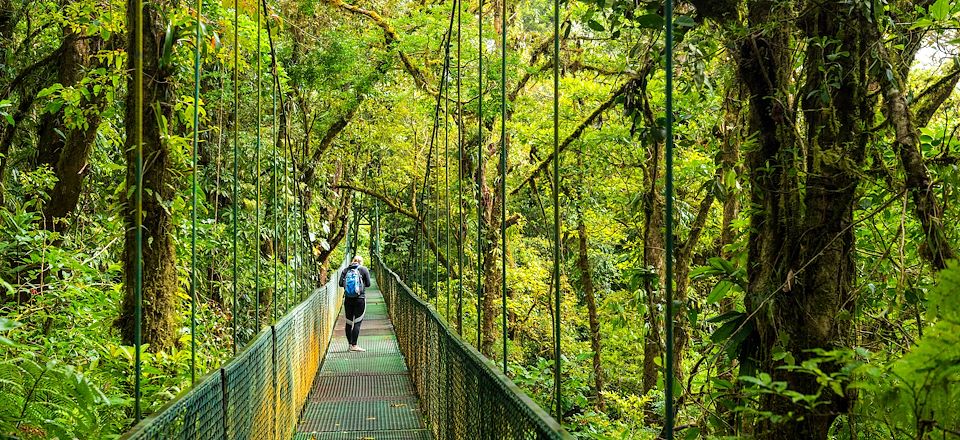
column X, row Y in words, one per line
column 7, row 324
column 734, row 328
column 940, row 9
column 940, row 12
column 731, row 279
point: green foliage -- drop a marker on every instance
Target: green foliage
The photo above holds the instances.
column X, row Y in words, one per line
column 65, row 373
column 919, row 394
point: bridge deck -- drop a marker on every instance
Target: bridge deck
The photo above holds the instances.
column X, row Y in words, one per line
column 365, row 395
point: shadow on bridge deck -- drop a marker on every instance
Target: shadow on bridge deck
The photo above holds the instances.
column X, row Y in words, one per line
column 365, row 395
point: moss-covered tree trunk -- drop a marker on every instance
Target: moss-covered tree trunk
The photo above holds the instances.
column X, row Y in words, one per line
column 159, row 272
column 801, row 267
column 66, row 149
column 590, row 297
column 803, row 173
column 653, row 248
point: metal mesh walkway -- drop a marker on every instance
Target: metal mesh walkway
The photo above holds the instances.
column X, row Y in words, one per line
column 366, row 395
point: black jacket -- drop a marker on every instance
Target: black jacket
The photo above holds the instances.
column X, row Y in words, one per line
column 364, row 275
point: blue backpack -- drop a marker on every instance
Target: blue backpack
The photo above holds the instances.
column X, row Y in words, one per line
column 353, row 283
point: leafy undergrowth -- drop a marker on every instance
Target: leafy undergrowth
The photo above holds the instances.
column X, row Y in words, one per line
column 64, row 372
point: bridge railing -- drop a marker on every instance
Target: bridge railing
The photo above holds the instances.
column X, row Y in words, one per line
column 259, row 393
column 463, row 396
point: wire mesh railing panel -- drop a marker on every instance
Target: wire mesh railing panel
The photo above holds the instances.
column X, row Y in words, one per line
column 464, row 396
column 250, row 394
column 286, row 412
column 260, row 392
column 198, row 415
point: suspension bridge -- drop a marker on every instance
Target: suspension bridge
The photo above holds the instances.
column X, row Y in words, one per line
column 418, row 379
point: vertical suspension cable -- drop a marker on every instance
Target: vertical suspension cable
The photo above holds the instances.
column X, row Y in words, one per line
column 138, row 221
column 256, row 227
column 286, row 223
column 668, row 365
column 193, row 208
column 298, row 204
column 274, row 140
column 236, row 166
column 426, row 178
column 556, row 208
column 436, row 222
column 379, row 231
column 503, row 178
column 304, row 242
column 460, row 225
column 479, row 167
column 446, row 164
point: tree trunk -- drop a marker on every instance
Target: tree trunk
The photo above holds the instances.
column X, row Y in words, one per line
column 684, row 258
column 337, row 217
column 801, row 249
column 490, row 249
column 159, row 272
column 801, row 268
column 653, row 259
column 68, row 156
column 586, row 282
column 653, row 227
column 937, row 248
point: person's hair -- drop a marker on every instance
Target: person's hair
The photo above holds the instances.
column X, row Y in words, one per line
column 358, row 259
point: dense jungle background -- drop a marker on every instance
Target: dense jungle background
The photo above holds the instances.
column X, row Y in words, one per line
column 817, row 293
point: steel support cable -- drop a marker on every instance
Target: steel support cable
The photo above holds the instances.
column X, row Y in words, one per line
column 446, row 165
column 256, row 223
column 479, row 166
column 236, row 168
column 436, row 223
column 193, row 202
column 274, row 139
column 138, row 214
column 503, row 178
column 430, row 150
column 668, row 365
column 286, row 227
column 556, row 209
column 276, row 214
column 461, row 220
column 304, row 241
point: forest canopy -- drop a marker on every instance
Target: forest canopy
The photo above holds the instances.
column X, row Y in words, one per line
column 816, row 170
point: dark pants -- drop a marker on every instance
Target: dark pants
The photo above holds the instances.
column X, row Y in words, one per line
column 353, row 309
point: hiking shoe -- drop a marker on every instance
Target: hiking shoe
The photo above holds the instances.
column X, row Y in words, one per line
column 357, row 348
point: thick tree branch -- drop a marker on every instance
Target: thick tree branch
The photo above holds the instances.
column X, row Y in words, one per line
column 932, row 98
column 33, row 68
column 413, row 215
column 573, row 136
column 309, row 173
column 391, row 38
column 392, row 204
column 918, row 181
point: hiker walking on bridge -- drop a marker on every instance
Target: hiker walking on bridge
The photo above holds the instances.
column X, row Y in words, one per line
column 354, row 279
